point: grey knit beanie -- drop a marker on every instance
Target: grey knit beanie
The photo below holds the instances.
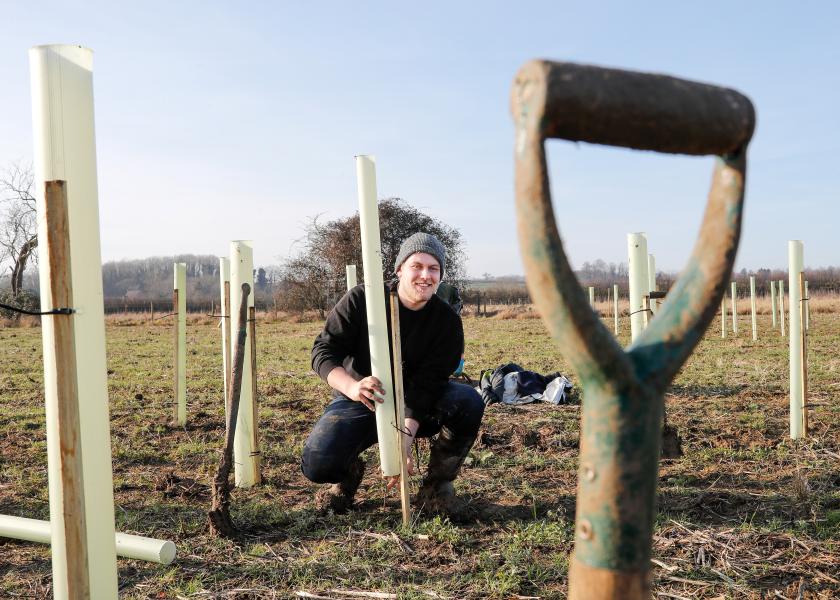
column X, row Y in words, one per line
column 422, row 242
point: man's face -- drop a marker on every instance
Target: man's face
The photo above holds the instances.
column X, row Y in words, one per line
column 419, row 277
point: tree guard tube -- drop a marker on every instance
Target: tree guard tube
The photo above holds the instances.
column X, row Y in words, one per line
column 380, row 356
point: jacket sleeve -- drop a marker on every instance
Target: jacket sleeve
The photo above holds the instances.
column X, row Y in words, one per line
column 340, row 335
column 426, row 386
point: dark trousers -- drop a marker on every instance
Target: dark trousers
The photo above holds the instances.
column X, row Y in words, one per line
column 348, row 428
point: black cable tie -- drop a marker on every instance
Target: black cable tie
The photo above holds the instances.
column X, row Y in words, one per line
column 23, row 311
column 404, row 430
column 641, row 310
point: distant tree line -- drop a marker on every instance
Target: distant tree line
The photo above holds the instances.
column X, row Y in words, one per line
column 145, row 285
column 152, row 278
column 602, row 276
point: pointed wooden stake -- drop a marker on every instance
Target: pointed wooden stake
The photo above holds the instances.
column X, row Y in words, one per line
column 399, row 400
column 252, row 333
column 804, row 350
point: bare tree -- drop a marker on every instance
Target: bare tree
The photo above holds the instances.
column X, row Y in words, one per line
column 18, row 225
column 326, row 248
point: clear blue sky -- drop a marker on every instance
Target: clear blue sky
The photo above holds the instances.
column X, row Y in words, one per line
column 259, row 107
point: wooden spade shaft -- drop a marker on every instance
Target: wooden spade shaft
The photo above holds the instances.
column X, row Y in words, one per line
column 219, row 515
column 399, row 400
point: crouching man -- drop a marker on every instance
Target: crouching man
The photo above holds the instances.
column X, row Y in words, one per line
column 432, row 339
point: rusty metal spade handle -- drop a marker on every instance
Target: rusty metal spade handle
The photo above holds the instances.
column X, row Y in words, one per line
column 624, row 391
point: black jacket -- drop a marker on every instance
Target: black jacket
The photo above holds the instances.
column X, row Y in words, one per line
column 432, row 341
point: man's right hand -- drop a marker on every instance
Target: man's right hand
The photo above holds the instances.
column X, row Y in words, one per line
column 363, row 391
column 366, row 390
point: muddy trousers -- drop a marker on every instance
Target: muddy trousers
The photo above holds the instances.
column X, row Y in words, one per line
column 348, row 428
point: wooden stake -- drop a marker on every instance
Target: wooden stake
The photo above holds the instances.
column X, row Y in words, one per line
column 224, row 322
column 175, row 359
column 807, row 297
column 399, row 400
column 723, row 317
column 226, row 327
column 651, row 271
column 252, row 332
column 615, row 308
column 782, row 306
column 734, row 308
column 802, row 313
column 752, row 308
column 63, row 338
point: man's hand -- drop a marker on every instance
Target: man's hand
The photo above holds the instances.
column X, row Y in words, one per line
column 363, row 391
column 407, row 437
column 366, row 390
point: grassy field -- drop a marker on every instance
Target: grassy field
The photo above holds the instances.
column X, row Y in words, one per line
column 745, row 512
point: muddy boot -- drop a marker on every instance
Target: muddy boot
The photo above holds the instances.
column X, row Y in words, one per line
column 338, row 497
column 437, row 494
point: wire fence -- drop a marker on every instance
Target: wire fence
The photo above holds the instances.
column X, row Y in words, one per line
column 161, row 306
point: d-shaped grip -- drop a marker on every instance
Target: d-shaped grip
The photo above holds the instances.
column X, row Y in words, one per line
column 640, row 110
column 624, row 391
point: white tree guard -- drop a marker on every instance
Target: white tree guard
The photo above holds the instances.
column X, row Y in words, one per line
column 180, row 284
column 795, row 263
column 246, row 468
column 351, row 276
column 637, row 256
column 380, row 357
column 127, row 545
column 65, row 149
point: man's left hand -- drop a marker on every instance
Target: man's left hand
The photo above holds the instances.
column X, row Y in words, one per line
column 407, row 437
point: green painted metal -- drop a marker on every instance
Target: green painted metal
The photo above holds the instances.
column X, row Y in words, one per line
column 624, row 390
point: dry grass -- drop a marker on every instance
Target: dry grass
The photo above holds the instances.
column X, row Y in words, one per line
column 24, row 322
column 744, row 513
column 824, row 302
